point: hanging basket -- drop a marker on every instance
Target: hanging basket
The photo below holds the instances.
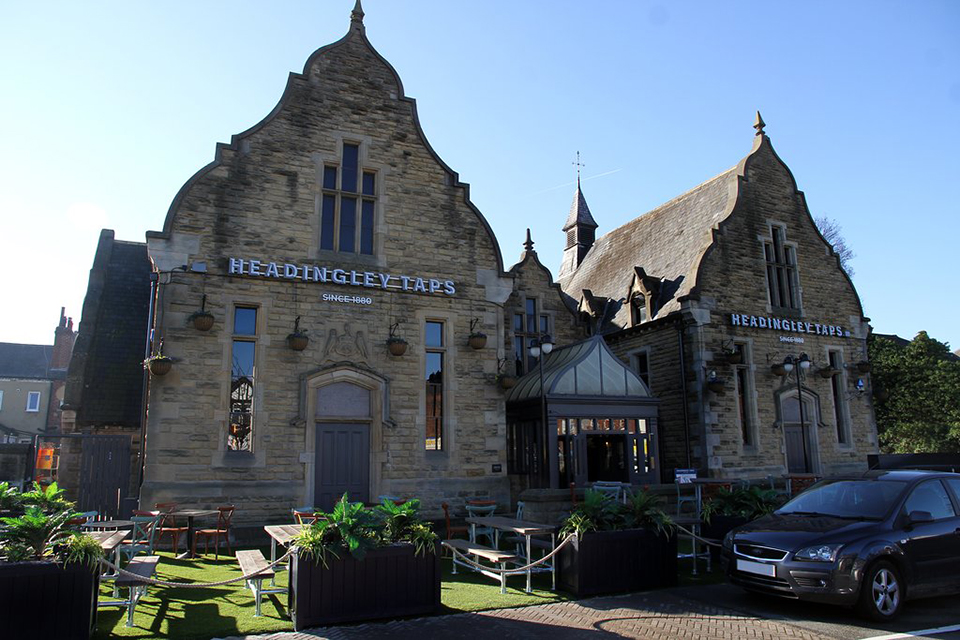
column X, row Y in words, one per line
column 477, row 340
column 735, row 357
column 716, row 386
column 298, row 341
column 202, row 320
column 778, row 370
column 507, row 382
column 864, row 366
column 828, row 372
column 160, row 366
column 396, row 345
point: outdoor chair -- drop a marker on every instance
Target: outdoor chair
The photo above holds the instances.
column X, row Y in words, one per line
column 142, row 535
column 222, row 532
column 613, row 490
column 451, row 530
column 479, row 509
column 168, row 525
column 306, row 515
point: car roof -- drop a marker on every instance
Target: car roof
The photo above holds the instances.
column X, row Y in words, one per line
column 904, row 475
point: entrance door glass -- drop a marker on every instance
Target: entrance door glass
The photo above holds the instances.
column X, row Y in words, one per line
column 606, row 457
column 796, row 433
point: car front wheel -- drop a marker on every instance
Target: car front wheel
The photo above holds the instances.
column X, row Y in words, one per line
column 881, row 594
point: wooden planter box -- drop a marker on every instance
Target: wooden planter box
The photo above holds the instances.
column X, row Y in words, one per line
column 390, row 582
column 617, row 562
column 48, row 600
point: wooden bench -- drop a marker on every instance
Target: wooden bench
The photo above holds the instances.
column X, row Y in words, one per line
column 491, row 555
column 142, row 567
column 252, row 561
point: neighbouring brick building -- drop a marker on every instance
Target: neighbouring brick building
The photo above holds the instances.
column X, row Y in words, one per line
column 32, row 383
column 706, row 296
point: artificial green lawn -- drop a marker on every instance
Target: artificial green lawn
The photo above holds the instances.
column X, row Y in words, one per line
column 203, row 613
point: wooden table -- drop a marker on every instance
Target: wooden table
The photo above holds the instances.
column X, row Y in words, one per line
column 190, row 514
column 527, row 530
column 284, row 534
column 110, row 542
column 108, row 524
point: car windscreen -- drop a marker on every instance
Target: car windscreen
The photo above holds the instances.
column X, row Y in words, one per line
column 870, row 499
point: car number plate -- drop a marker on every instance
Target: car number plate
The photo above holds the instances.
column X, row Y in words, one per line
column 757, row 567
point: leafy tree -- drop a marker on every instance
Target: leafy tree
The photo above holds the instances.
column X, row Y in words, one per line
column 918, row 403
column 832, row 233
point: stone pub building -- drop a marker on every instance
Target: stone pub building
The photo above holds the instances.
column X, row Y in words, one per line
column 334, row 220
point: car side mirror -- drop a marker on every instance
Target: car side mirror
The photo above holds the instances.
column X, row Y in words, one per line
column 919, row 517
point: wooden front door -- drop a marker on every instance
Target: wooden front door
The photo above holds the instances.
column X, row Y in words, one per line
column 798, row 457
column 342, row 463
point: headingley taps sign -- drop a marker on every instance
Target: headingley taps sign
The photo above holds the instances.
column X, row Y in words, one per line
column 351, row 278
column 782, row 324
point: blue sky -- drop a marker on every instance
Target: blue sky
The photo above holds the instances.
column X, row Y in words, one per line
column 108, row 108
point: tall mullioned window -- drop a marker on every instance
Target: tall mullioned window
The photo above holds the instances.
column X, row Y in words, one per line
column 781, row 258
column 836, row 387
column 348, row 204
column 527, row 328
column 744, row 383
column 242, row 376
column 433, row 377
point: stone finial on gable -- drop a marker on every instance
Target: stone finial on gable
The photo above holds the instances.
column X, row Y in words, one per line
column 759, row 124
column 528, row 244
column 356, row 16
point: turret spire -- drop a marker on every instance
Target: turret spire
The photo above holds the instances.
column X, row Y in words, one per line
column 528, row 245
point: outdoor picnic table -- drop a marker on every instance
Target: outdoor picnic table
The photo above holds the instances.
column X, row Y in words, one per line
column 190, row 514
column 110, row 543
column 525, row 529
column 108, row 524
column 282, row 533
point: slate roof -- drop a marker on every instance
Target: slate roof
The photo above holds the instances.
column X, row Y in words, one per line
column 28, row 361
column 105, row 380
column 667, row 242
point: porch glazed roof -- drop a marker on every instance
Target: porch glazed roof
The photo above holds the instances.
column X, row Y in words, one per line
column 583, row 369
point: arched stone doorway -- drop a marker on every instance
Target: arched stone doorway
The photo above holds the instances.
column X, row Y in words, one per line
column 343, row 435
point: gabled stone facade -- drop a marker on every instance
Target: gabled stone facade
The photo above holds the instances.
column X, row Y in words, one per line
column 698, row 267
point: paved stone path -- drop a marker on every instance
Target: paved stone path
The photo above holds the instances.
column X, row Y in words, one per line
column 645, row 615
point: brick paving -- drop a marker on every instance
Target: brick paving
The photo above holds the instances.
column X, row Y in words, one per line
column 645, row 615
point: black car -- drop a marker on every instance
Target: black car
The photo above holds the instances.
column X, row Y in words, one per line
column 871, row 541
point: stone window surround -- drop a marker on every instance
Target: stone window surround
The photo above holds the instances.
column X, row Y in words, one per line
column 752, row 403
column 221, row 456
column 634, row 363
column 381, row 202
column 788, row 390
column 844, row 405
column 448, row 454
column 770, row 308
column 541, row 311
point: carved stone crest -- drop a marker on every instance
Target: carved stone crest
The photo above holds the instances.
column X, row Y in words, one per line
column 348, row 344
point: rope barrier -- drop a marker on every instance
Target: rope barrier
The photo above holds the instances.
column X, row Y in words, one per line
column 469, row 561
column 706, row 541
column 164, row 583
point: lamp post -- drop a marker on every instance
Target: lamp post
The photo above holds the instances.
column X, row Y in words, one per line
column 543, row 344
column 800, row 363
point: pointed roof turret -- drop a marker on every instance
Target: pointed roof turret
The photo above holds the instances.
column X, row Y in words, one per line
column 579, row 212
column 759, row 124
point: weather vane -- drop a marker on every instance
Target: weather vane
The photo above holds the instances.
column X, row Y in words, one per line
column 578, row 164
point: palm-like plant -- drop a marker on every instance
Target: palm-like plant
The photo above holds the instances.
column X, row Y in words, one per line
column 745, row 502
column 644, row 510
column 402, row 523
column 598, row 512
column 48, row 499
column 10, row 497
column 35, row 534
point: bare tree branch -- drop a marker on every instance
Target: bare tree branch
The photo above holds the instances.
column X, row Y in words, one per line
column 832, row 233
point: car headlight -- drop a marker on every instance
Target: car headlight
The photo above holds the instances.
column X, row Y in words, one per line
column 728, row 540
column 819, row 553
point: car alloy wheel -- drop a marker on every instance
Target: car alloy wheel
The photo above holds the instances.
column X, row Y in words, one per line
column 881, row 593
